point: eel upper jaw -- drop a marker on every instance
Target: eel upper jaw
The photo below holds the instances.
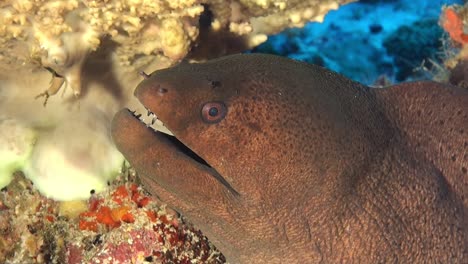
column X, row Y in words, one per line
column 157, row 126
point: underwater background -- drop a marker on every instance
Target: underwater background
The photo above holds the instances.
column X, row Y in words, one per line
column 367, row 40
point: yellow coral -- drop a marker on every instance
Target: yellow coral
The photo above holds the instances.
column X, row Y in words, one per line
column 44, row 25
column 59, row 35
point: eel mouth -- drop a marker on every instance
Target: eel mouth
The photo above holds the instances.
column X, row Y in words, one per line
column 157, row 126
column 153, row 137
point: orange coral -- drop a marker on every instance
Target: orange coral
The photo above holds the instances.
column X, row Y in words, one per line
column 126, row 198
column 453, row 24
column 122, row 214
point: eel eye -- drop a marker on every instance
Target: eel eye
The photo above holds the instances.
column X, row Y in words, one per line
column 213, row 112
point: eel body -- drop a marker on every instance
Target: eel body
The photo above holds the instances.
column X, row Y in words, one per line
column 278, row 161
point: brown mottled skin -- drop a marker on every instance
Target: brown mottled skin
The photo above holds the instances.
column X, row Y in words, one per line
column 306, row 165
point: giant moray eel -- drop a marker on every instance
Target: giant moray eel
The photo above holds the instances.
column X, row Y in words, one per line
column 277, row 161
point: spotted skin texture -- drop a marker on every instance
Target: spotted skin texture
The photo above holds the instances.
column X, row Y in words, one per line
column 306, row 166
column 433, row 120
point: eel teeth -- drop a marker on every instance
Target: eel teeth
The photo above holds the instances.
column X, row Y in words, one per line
column 152, row 121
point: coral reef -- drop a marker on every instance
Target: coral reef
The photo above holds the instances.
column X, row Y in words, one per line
column 89, row 52
column 16, row 143
column 59, row 35
column 413, row 43
column 454, row 20
column 121, row 225
column 70, row 150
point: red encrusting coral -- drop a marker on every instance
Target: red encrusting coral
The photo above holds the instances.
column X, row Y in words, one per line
column 125, row 199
